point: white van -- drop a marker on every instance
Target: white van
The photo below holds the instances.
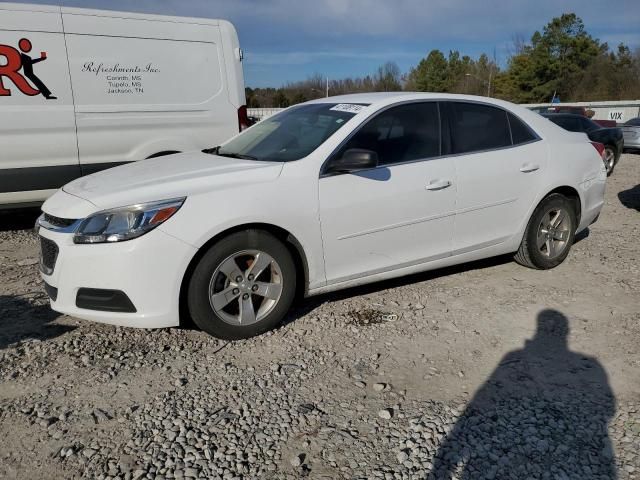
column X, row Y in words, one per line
column 84, row 90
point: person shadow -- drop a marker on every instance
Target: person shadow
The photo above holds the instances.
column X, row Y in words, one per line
column 543, row 413
column 630, row 198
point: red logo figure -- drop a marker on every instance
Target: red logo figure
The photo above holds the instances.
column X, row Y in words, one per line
column 16, row 61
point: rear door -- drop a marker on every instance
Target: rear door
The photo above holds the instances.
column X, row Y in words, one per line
column 37, row 125
column 500, row 165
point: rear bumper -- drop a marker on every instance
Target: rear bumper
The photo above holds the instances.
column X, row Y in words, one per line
column 592, row 193
column 134, row 283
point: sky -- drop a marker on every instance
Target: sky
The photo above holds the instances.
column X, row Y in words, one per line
column 290, row 40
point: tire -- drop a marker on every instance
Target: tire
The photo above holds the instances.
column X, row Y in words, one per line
column 542, row 250
column 225, row 300
column 610, row 159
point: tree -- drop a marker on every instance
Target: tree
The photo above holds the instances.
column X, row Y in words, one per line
column 251, row 99
column 457, row 70
column 554, row 61
column 387, row 78
column 280, row 99
column 299, row 98
column 431, row 74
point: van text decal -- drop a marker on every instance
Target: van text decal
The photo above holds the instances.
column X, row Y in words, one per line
column 121, row 79
column 18, row 67
column 98, row 68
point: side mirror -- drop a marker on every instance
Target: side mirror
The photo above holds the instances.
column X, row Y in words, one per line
column 354, row 160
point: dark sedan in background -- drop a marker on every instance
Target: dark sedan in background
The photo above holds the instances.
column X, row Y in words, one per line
column 611, row 138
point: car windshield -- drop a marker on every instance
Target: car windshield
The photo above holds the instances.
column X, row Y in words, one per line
column 634, row 122
column 290, row 135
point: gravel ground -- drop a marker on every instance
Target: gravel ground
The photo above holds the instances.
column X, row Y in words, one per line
column 488, row 370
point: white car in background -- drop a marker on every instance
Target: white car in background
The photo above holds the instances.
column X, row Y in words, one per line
column 322, row 196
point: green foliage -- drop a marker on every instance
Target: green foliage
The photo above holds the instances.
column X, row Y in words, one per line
column 555, row 61
column 280, row 99
column 456, row 74
column 431, row 74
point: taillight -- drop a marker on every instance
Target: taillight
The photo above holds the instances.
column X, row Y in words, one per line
column 600, row 148
column 243, row 118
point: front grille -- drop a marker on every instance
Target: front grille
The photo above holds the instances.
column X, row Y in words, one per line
column 48, row 255
column 57, row 221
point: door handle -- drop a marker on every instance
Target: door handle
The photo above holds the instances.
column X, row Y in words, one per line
column 438, row 184
column 529, row 167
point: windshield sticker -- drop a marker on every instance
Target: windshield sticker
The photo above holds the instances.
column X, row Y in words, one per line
column 347, row 107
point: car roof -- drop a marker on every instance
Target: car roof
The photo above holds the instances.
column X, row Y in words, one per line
column 376, row 100
column 382, row 98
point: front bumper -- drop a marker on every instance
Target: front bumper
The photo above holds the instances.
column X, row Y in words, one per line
column 148, row 269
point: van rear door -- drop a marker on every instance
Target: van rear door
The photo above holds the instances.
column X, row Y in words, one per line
column 37, row 124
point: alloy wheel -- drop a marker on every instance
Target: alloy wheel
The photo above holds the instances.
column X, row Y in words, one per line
column 554, row 232
column 245, row 287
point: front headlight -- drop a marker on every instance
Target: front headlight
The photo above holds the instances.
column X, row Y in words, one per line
column 125, row 223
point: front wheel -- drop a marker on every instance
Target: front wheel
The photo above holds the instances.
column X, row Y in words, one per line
column 549, row 234
column 243, row 286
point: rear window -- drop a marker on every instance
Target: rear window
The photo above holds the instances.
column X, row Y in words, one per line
column 478, row 127
column 520, row 133
column 571, row 124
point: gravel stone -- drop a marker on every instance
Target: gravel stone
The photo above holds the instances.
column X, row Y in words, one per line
column 385, row 413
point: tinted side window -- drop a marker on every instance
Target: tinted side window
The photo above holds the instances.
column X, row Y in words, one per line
column 400, row 134
column 520, row 133
column 477, row 127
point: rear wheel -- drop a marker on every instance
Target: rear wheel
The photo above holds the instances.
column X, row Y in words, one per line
column 549, row 235
column 609, row 159
column 243, row 286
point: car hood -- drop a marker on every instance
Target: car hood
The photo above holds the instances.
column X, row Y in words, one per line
column 168, row 177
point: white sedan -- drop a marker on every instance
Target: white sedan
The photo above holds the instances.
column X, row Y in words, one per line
column 322, row 196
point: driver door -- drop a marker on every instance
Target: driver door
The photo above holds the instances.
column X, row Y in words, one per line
column 399, row 214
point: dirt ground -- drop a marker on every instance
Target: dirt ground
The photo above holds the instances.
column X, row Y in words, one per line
column 79, row 399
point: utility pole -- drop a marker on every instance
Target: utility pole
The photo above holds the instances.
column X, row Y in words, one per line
column 327, row 87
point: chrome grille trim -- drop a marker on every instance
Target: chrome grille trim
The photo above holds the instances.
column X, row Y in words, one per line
column 56, row 224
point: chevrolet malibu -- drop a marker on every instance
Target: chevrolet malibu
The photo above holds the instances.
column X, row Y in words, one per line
column 322, row 196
